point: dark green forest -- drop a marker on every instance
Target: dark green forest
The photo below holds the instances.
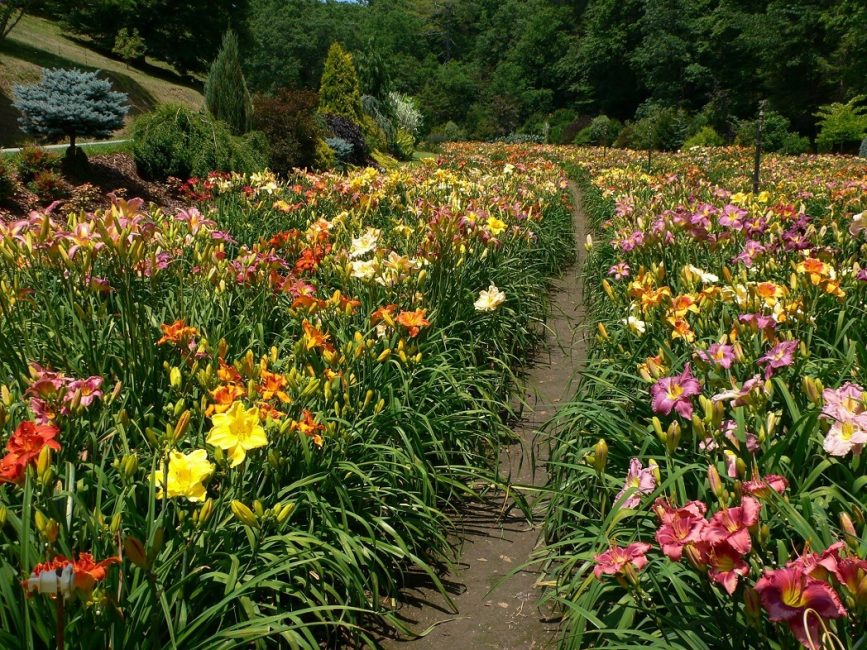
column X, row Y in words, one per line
column 487, row 68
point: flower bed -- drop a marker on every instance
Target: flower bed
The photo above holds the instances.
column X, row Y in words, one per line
column 244, row 420
column 709, row 485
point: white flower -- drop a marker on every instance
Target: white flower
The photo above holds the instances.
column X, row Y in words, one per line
column 588, row 243
column 364, row 244
column 635, row 325
column 707, row 278
column 489, row 299
column 859, row 223
column 363, row 269
column 60, row 581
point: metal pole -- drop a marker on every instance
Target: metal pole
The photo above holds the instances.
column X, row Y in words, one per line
column 758, row 160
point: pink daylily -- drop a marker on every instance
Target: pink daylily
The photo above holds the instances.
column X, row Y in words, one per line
column 779, row 356
column 675, row 393
column 638, row 477
column 616, row 560
column 725, row 565
column 732, row 525
column 762, row 487
column 680, row 526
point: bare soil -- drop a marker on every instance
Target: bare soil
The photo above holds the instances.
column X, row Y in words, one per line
column 493, row 589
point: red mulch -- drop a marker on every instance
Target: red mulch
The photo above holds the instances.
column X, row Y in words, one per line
column 88, row 191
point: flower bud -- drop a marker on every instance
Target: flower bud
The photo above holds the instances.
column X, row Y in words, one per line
column 603, row 333
column 115, row 522
column 204, row 513
column 752, row 607
column 175, row 377
column 43, row 464
column 588, row 243
column 3, row 514
column 284, row 512
column 244, row 514
column 182, row 425
column 157, row 544
column 672, row 438
column 849, row 530
column 135, row 551
column 714, row 480
column 813, row 389
column 600, row 453
column 129, row 465
column 654, row 468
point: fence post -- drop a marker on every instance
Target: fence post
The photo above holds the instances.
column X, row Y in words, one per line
column 758, row 159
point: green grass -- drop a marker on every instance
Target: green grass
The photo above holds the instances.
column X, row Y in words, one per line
column 36, row 43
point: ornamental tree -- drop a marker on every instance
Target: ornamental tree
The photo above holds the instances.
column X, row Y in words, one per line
column 226, row 94
column 69, row 103
column 339, row 92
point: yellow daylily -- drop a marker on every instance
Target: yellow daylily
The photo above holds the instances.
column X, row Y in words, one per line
column 238, row 431
column 184, row 476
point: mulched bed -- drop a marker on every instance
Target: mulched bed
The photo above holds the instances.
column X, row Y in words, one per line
column 110, row 173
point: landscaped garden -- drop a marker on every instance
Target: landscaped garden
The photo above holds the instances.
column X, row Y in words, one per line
column 285, row 352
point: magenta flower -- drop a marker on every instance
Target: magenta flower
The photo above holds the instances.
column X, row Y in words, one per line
column 779, row 356
column 639, row 478
column 680, row 526
column 616, row 560
column 732, row 525
column 787, row 594
column 762, row 487
column 725, row 566
column 718, row 354
column 675, row 393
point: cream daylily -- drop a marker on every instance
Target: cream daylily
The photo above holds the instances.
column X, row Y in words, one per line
column 489, row 299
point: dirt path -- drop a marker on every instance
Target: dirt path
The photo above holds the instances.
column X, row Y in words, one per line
column 498, row 610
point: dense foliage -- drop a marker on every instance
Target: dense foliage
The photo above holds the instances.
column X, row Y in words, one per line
column 496, row 66
column 288, row 121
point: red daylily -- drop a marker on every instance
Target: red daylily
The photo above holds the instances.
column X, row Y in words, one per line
column 24, row 448
column 725, row 564
column 787, row 594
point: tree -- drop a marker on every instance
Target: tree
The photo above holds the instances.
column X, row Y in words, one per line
column 11, row 12
column 129, row 45
column 226, row 94
column 339, row 91
column 69, row 103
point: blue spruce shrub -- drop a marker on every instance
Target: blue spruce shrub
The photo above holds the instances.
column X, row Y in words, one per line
column 69, row 103
column 862, row 152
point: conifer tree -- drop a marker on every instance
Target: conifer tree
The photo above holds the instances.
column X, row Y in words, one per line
column 339, row 93
column 70, row 103
column 226, row 94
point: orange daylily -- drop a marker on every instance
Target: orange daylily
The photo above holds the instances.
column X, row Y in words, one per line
column 177, row 333
column 413, row 321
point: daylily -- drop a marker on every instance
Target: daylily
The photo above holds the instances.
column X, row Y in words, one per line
column 618, row 560
column 184, row 476
column 364, row 244
column 680, row 526
column 640, row 478
column 177, row 333
column 718, row 354
column 780, row 356
column 732, row 525
column 674, row 393
column 725, row 565
column 787, row 594
column 24, row 447
column 238, row 431
column 489, row 299
column 763, row 486
column 61, row 576
column 413, row 321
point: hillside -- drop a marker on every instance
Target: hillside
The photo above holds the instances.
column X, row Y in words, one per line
column 36, row 43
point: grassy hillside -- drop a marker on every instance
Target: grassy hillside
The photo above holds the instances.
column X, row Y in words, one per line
column 36, row 43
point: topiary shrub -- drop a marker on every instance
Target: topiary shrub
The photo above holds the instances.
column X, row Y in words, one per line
column 603, row 131
column 342, row 151
column 33, row 159
column 175, row 141
column 842, row 126
column 404, row 144
column 349, row 131
column 324, row 158
column 706, row 136
column 288, row 121
column 339, row 92
column 226, row 94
